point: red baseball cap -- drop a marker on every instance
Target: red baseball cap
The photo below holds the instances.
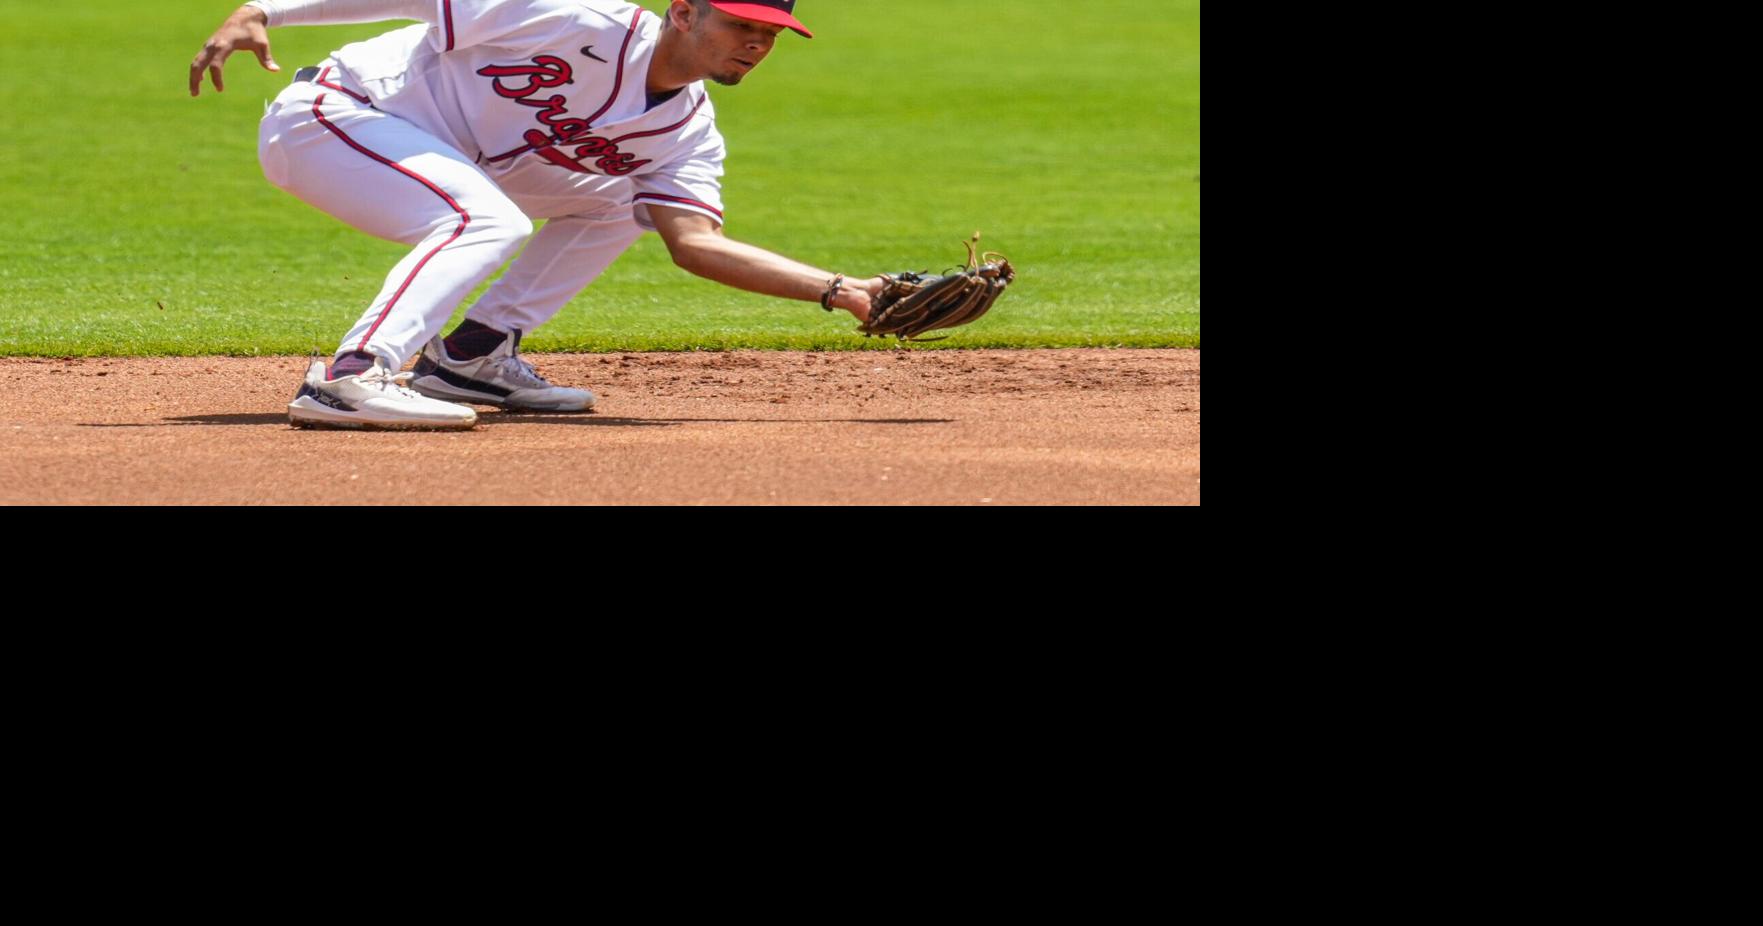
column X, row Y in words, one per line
column 775, row 12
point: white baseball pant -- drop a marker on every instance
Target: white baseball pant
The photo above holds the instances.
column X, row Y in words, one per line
column 384, row 175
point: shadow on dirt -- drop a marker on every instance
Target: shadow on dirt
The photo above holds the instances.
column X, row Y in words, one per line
column 499, row 419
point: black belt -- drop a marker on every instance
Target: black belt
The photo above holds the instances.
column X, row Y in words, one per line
column 306, row 75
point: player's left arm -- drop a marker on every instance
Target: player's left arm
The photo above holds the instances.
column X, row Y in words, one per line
column 246, row 30
column 699, row 247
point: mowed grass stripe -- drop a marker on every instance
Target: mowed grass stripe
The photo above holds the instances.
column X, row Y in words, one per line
column 144, row 226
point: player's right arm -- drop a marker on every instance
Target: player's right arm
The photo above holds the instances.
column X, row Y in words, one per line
column 248, row 28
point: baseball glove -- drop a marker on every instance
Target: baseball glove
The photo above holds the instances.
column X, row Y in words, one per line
column 914, row 303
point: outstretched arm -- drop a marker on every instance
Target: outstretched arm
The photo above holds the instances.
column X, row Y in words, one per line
column 248, row 28
column 697, row 245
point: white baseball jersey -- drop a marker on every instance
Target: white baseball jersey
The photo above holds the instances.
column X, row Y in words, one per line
column 452, row 135
column 562, row 81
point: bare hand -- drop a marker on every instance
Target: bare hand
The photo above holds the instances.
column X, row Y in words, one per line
column 857, row 297
column 247, row 29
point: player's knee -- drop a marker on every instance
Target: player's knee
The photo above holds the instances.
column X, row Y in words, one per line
column 494, row 235
column 507, row 227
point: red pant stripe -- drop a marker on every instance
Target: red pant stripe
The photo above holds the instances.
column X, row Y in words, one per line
column 341, row 89
column 464, row 217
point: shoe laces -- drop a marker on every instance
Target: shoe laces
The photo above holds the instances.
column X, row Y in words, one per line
column 386, row 381
column 519, row 370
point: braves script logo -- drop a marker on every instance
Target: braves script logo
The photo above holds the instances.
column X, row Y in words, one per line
column 545, row 73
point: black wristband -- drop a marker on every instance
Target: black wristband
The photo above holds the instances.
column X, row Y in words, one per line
column 832, row 292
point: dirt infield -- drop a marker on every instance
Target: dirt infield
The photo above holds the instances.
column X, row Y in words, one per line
column 1044, row 427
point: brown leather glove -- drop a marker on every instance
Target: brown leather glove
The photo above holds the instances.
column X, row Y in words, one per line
column 911, row 304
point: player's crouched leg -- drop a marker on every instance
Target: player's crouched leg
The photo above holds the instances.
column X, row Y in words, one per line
column 389, row 178
column 481, row 362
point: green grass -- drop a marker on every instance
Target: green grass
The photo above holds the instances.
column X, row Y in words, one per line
column 139, row 222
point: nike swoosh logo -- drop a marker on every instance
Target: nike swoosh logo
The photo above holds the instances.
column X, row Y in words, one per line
column 589, row 51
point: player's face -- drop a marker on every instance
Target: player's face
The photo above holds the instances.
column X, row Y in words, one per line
column 729, row 47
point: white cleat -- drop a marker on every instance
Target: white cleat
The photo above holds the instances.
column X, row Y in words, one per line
column 378, row 399
column 501, row 379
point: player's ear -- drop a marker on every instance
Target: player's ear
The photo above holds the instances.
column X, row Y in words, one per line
column 679, row 15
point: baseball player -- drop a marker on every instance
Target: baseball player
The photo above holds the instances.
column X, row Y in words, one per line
column 454, row 134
